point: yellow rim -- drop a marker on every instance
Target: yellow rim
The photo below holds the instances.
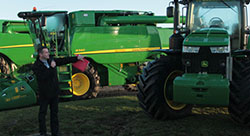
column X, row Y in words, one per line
column 173, row 105
column 134, row 85
column 81, row 84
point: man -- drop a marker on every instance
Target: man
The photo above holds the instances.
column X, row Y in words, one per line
column 48, row 88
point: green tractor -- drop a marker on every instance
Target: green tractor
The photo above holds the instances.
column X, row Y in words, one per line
column 208, row 62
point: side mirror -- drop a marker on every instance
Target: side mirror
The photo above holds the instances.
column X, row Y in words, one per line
column 43, row 21
column 170, row 11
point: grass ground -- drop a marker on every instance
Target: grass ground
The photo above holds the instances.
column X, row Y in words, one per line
column 120, row 116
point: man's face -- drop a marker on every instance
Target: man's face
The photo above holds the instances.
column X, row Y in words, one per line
column 44, row 54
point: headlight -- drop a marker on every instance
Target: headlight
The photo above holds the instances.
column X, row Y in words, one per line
column 225, row 49
column 189, row 49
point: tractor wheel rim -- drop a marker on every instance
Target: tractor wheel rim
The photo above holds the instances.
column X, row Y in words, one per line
column 173, row 105
column 80, row 84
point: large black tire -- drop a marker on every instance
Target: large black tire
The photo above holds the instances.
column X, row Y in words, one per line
column 239, row 104
column 157, row 76
column 94, row 81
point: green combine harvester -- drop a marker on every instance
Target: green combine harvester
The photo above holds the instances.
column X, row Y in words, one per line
column 16, row 49
column 208, row 62
column 117, row 44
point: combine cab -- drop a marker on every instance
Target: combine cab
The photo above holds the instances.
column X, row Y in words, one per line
column 207, row 64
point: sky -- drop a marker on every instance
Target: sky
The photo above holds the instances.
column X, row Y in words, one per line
column 10, row 8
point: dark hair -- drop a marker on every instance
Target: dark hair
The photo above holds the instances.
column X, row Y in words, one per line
column 40, row 49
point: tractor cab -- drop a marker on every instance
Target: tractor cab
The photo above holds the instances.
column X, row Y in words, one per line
column 217, row 15
column 210, row 16
column 214, row 30
column 47, row 28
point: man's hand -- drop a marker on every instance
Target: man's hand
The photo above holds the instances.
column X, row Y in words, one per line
column 80, row 57
column 53, row 64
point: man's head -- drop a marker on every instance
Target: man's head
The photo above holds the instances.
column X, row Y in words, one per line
column 43, row 53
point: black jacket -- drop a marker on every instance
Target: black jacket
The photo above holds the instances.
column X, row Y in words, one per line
column 47, row 80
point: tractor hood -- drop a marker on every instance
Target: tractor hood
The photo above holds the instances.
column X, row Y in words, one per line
column 207, row 37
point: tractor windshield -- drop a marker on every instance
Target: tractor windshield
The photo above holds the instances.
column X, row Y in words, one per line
column 220, row 14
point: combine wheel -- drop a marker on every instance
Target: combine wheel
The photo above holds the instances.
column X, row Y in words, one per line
column 239, row 105
column 86, row 84
column 156, row 89
column 4, row 66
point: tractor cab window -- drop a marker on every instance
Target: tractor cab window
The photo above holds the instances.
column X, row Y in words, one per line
column 217, row 14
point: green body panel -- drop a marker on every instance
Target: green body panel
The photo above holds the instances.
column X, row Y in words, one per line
column 13, row 26
column 18, row 50
column 165, row 33
column 123, row 44
column 203, row 89
column 16, row 95
column 135, row 19
column 106, row 18
column 207, row 37
column 120, row 74
column 117, row 77
column 101, row 17
column 15, row 42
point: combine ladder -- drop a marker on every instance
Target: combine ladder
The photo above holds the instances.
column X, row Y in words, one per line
column 64, row 73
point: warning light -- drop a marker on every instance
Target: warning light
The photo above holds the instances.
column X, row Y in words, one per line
column 175, row 31
column 34, row 8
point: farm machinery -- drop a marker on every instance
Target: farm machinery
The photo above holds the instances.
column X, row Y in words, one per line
column 16, row 92
column 16, row 45
column 16, row 49
column 208, row 63
column 117, row 44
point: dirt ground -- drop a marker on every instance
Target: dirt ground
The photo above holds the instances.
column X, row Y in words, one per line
column 116, row 112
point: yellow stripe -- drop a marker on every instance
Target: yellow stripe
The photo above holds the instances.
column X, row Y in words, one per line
column 165, row 47
column 121, row 50
column 16, row 46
